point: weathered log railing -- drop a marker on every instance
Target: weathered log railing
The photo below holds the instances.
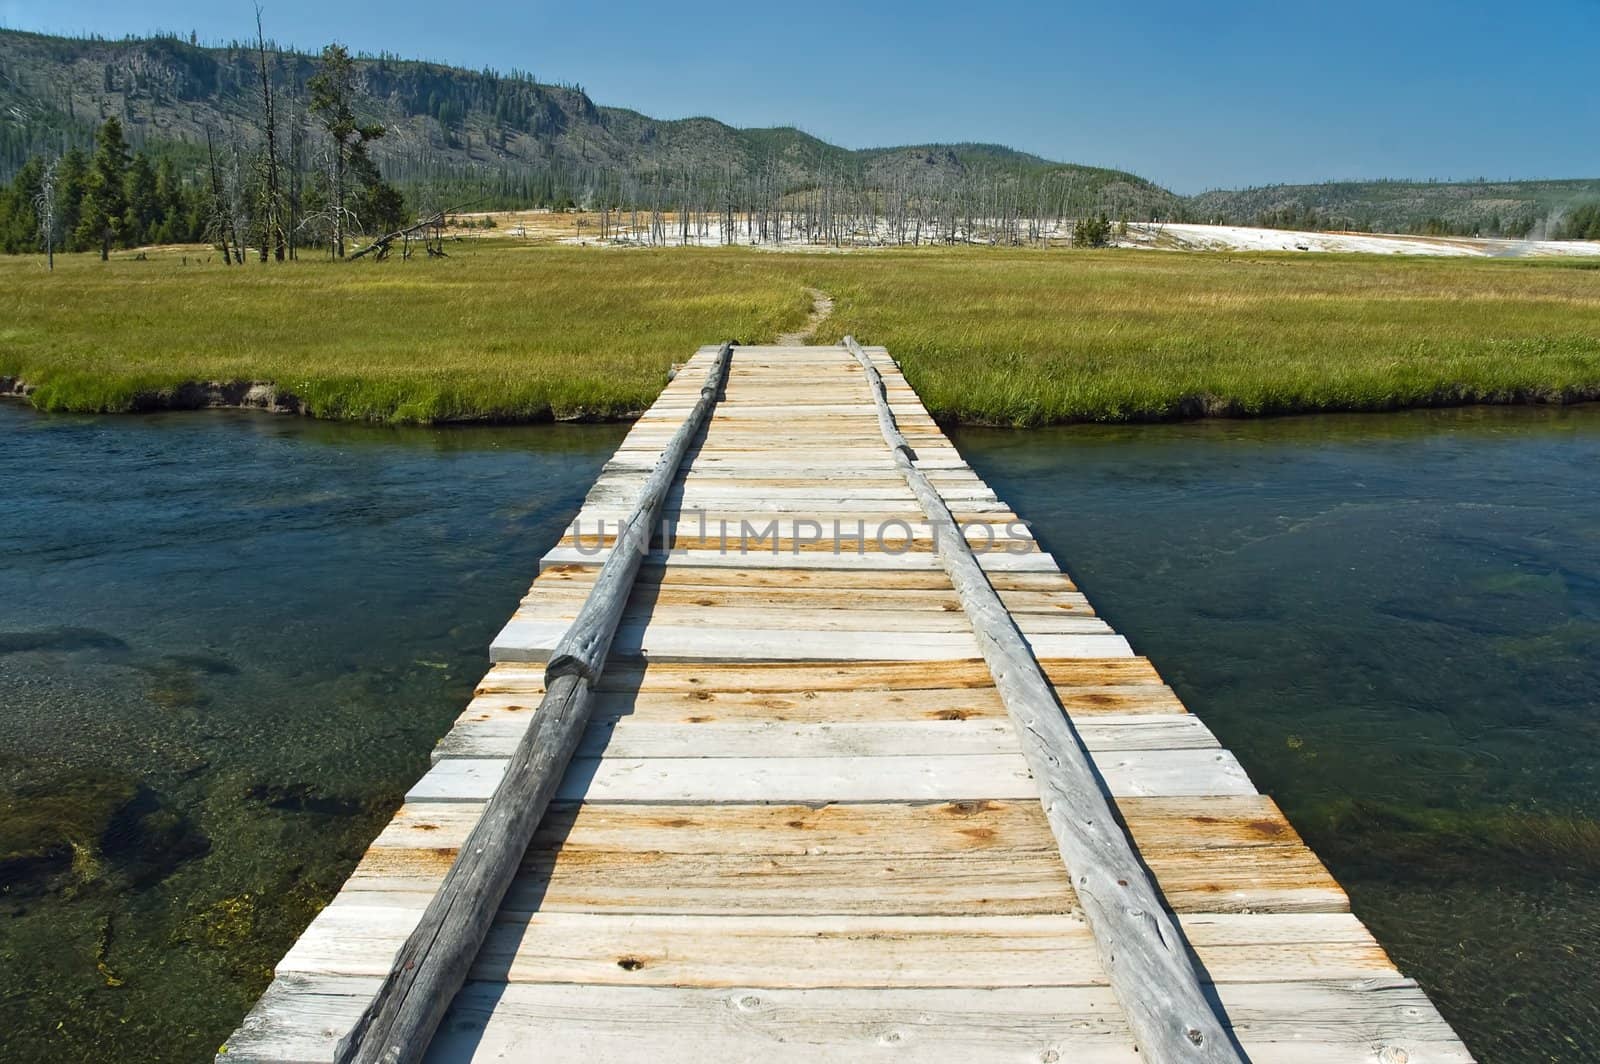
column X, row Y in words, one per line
column 1145, row 957
column 433, row 964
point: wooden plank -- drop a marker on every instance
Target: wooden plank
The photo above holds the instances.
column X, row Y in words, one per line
column 1224, row 823
column 823, row 600
column 533, row 641
column 710, row 884
column 642, row 612
column 1380, row 1021
column 809, row 535
column 655, row 573
column 803, row 503
column 625, row 737
column 496, row 735
column 857, row 523
column 706, row 706
column 758, row 557
column 760, row 779
column 839, row 679
column 1163, row 773
column 356, row 938
column 1262, row 879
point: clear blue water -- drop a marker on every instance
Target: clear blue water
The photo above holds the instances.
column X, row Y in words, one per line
column 1394, row 621
column 227, row 643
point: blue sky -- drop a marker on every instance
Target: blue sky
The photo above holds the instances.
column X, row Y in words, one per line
column 1190, row 95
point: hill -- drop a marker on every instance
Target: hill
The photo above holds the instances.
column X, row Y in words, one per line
column 508, row 134
column 1520, row 209
column 508, row 139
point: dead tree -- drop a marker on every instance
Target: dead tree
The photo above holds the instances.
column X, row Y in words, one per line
column 337, row 220
column 297, row 139
column 216, row 220
column 236, row 203
column 44, row 208
column 272, row 220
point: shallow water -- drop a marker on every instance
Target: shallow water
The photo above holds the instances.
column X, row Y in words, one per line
column 1394, row 621
column 227, row 644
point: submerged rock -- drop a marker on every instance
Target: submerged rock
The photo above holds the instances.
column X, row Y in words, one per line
column 47, row 829
column 303, row 798
column 73, row 832
column 147, row 839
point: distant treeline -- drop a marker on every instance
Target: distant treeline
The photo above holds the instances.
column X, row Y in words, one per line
column 131, row 198
column 117, row 198
column 294, row 185
column 1516, row 224
column 1517, row 210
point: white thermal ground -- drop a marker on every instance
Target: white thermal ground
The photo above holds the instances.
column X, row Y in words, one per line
column 1179, row 236
column 1168, row 236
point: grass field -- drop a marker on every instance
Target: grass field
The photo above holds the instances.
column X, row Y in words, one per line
column 492, row 332
column 1032, row 338
column 999, row 336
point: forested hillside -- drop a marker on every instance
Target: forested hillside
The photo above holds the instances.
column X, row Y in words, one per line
column 505, row 137
column 194, row 122
column 1517, row 209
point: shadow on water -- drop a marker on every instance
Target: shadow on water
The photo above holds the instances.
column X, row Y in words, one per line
column 1394, row 621
column 228, row 642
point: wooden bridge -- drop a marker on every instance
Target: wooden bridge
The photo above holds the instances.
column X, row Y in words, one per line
column 801, row 789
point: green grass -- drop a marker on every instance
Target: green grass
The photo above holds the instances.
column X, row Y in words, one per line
column 490, row 333
column 998, row 336
column 1025, row 338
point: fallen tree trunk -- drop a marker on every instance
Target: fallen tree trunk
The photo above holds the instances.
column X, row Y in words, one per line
column 1145, row 956
column 434, row 220
column 432, row 965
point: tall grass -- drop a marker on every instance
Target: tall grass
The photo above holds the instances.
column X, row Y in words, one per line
column 500, row 333
column 998, row 336
column 1024, row 338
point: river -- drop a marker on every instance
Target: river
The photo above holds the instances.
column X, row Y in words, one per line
column 228, row 642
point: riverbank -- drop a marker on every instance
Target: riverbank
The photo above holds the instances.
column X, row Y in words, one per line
column 502, row 332
column 264, row 396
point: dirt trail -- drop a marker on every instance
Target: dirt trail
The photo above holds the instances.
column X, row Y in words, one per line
column 821, row 307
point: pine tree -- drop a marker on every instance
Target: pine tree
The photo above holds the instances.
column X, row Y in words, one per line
column 333, row 92
column 74, row 185
column 105, row 203
column 18, row 232
column 172, row 227
column 144, row 202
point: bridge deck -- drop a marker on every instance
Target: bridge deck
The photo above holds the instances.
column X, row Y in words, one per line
column 800, row 827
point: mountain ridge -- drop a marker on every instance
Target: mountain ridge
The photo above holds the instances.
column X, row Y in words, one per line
column 448, row 123
column 518, row 141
